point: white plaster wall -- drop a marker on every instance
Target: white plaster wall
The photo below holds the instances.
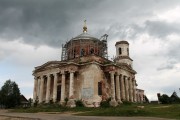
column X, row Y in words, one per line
column 123, row 49
column 90, row 75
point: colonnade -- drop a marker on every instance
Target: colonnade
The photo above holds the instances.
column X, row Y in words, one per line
column 50, row 82
column 122, row 87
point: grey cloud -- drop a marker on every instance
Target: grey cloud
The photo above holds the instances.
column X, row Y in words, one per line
column 161, row 29
column 165, row 67
column 52, row 22
column 41, row 22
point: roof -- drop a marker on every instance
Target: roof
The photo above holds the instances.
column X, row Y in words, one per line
column 84, row 36
column 122, row 42
column 23, row 99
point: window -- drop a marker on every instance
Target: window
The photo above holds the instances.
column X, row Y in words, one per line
column 82, row 52
column 120, row 51
column 99, row 88
column 128, row 51
column 92, row 51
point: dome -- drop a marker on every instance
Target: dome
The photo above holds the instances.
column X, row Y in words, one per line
column 84, row 36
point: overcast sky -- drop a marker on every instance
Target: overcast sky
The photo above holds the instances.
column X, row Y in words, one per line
column 32, row 31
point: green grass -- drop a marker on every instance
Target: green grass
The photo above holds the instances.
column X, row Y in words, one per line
column 149, row 110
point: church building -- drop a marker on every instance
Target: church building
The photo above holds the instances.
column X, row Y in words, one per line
column 85, row 73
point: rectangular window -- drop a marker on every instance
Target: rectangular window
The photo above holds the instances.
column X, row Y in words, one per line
column 120, row 51
column 99, row 88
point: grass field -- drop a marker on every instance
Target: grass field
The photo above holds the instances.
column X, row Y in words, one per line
column 149, row 110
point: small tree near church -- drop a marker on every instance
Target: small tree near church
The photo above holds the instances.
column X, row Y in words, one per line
column 10, row 94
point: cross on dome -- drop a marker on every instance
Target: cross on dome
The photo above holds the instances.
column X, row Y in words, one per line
column 85, row 27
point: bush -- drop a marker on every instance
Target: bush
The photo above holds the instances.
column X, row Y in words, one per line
column 127, row 103
column 66, row 100
column 79, row 103
column 105, row 104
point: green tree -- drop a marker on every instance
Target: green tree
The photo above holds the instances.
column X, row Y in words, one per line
column 165, row 99
column 30, row 101
column 10, row 94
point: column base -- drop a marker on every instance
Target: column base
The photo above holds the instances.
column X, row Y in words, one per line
column 63, row 103
column 113, row 103
column 47, row 101
column 71, row 103
column 119, row 102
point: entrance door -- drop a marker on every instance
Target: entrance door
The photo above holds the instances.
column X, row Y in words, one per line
column 58, row 92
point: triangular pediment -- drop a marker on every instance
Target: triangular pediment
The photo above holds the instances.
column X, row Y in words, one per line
column 127, row 67
column 50, row 64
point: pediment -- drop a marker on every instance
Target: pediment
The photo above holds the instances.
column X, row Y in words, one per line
column 115, row 67
column 48, row 65
column 127, row 67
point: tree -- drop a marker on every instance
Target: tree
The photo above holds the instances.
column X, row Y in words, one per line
column 165, row 99
column 10, row 94
column 174, row 98
column 30, row 101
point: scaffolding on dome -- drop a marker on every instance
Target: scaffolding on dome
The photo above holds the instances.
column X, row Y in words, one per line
column 105, row 47
column 70, row 50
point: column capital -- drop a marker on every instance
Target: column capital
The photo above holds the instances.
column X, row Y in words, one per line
column 72, row 71
column 125, row 77
column 55, row 73
column 112, row 72
column 35, row 77
column 48, row 75
column 62, row 72
column 117, row 73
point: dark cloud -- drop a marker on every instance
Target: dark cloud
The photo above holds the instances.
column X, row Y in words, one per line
column 52, row 22
column 41, row 22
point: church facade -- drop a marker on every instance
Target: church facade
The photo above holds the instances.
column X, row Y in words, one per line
column 85, row 73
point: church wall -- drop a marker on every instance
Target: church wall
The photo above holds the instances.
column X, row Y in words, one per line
column 90, row 75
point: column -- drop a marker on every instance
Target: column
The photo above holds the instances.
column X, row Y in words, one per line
column 122, row 88
column 71, row 84
column 55, row 87
column 118, row 89
column 71, row 102
column 126, row 88
column 134, row 90
column 41, row 89
column 63, row 86
column 130, row 90
column 48, row 89
column 35, row 89
column 38, row 88
column 112, row 86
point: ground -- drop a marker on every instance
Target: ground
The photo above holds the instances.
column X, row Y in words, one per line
column 6, row 115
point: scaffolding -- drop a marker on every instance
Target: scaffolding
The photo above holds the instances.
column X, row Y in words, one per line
column 105, row 48
column 99, row 48
column 64, row 52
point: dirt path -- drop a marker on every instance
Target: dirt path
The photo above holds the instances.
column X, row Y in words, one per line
column 5, row 115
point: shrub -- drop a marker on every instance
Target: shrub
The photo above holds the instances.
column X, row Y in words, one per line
column 79, row 103
column 127, row 103
column 105, row 104
column 66, row 100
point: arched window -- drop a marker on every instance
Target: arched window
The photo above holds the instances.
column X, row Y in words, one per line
column 74, row 53
column 92, row 51
column 128, row 51
column 82, row 52
column 120, row 52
